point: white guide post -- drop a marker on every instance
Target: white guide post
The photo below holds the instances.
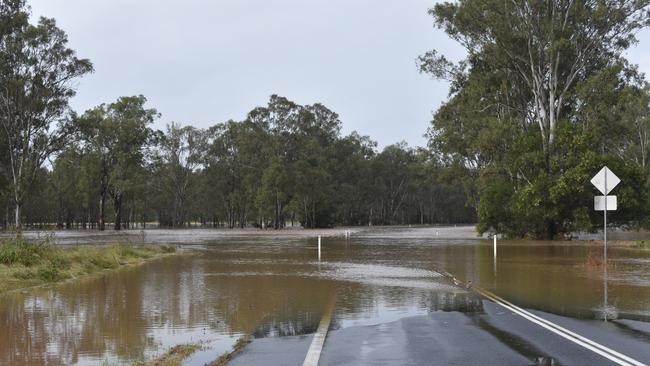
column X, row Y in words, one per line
column 319, row 247
column 495, row 244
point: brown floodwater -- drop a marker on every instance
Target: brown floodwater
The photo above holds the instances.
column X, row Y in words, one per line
column 269, row 285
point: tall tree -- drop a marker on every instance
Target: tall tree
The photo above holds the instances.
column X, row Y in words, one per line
column 177, row 159
column 546, row 47
column 37, row 73
column 531, row 79
column 118, row 135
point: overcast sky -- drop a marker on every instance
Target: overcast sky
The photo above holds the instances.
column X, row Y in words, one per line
column 202, row 62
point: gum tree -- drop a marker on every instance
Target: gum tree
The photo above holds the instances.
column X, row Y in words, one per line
column 524, row 115
column 546, row 47
column 117, row 135
column 37, row 74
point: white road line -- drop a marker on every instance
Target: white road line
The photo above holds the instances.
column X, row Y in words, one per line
column 606, row 352
column 316, row 346
column 587, row 340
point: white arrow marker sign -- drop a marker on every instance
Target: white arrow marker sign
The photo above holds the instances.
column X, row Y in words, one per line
column 605, row 180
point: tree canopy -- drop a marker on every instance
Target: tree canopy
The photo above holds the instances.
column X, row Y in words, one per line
column 542, row 101
column 37, row 71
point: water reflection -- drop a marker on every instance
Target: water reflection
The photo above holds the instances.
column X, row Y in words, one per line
column 272, row 287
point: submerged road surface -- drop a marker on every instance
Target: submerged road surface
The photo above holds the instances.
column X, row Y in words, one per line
column 490, row 335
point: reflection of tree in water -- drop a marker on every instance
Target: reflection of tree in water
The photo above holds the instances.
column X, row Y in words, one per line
column 56, row 326
column 96, row 317
column 271, row 304
column 464, row 302
column 287, row 327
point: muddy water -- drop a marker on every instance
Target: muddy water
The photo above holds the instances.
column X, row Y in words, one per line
column 273, row 285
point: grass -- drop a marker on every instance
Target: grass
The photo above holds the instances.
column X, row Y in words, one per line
column 236, row 349
column 641, row 244
column 26, row 263
column 173, row 357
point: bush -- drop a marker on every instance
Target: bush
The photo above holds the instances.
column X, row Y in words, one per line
column 20, row 251
column 61, row 262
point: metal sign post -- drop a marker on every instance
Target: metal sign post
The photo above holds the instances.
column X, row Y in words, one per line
column 605, row 180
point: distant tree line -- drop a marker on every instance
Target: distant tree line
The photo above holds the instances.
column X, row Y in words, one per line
column 285, row 164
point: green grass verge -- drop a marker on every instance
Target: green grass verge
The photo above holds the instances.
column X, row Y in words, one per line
column 26, row 263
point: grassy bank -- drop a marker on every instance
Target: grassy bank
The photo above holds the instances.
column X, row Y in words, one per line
column 26, row 263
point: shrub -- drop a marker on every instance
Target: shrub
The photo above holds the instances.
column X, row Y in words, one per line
column 21, row 251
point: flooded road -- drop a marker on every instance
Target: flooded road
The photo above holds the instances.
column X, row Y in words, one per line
column 271, row 285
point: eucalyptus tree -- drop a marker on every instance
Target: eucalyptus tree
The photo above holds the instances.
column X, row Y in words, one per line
column 544, row 47
column 66, row 186
column 392, row 172
column 353, row 189
column 530, row 108
column 37, row 74
column 179, row 155
column 118, row 135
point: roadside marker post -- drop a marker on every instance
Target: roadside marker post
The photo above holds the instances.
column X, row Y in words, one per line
column 605, row 181
column 318, row 247
column 495, row 244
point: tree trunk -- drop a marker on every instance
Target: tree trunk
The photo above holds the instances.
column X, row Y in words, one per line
column 17, row 215
column 550, row 230
column 117, row 203
column 102, row 211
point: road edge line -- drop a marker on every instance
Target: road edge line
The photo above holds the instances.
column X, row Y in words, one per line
column 569, row 332
column 590, row 345
column 316, row 346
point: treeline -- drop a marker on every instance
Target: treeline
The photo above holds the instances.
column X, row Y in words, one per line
column 284, row 165
column 544, row 99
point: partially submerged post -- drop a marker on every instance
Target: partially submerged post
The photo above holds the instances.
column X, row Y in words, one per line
column 494, row 237
column 605, row 180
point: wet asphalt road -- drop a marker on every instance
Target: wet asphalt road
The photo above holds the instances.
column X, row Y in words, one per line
column 494, row 336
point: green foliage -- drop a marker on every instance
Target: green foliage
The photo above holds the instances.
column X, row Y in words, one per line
column 285, row 164
column 20, row 251
column 542, row 102
column 37, row 74
column 116, row 137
